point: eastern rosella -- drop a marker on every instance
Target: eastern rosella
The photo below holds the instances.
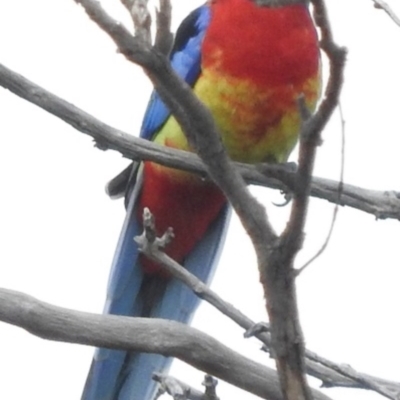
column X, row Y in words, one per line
column 248, row 61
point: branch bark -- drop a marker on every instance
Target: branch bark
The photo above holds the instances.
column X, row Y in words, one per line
column 381, row 204
column 330, row 373
column 276, row 262
column 380, row 4
column 168, row 338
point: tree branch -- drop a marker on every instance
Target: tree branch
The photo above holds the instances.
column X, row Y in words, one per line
column 176, row 388
column 380, row 204
column 382, row 5
column 277, row 261
column 169, row 338
column 380, row 386
column 141, row 21
column 330, row 373
column 164, row 37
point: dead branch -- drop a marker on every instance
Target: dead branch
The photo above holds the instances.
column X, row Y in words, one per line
column 380, row 4
column 164, row 37
column 380, row 204
column 169, row 338
column 330, row 373
column 176, row 388
column 386, row 389
column 277, row 260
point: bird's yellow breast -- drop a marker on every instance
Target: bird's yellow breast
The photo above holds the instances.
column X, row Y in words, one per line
column 251, row 79
column 256, row 125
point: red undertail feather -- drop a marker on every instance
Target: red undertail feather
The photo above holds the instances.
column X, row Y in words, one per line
column 187, row 205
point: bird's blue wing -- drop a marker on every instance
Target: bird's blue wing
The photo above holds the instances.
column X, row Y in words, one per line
column 185, row 60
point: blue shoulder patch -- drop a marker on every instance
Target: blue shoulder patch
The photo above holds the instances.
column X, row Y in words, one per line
column 185, row 60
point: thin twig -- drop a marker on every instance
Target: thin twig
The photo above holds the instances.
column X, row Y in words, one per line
column 176, row 388
column 339, row 196
column 210, row 384
column 382, row 5
column 366, row 381
column 141, row 21
column 164, row 37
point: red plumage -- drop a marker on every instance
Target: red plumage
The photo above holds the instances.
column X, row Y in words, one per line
column 185, row 203
column 274, row 51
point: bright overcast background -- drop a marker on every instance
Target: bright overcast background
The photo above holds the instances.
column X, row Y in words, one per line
column 58, row 229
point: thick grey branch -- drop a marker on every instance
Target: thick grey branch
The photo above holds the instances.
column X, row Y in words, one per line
column 380, row 204
column 168, row 338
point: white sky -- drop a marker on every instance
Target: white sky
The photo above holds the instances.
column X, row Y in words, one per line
column 58, row 229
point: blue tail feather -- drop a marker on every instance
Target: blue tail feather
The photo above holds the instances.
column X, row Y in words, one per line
column 177, row 303
column 123, row 289
column 119, row 375
column 125, row 280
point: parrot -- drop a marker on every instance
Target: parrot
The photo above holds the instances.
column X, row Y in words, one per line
column 249, row 62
